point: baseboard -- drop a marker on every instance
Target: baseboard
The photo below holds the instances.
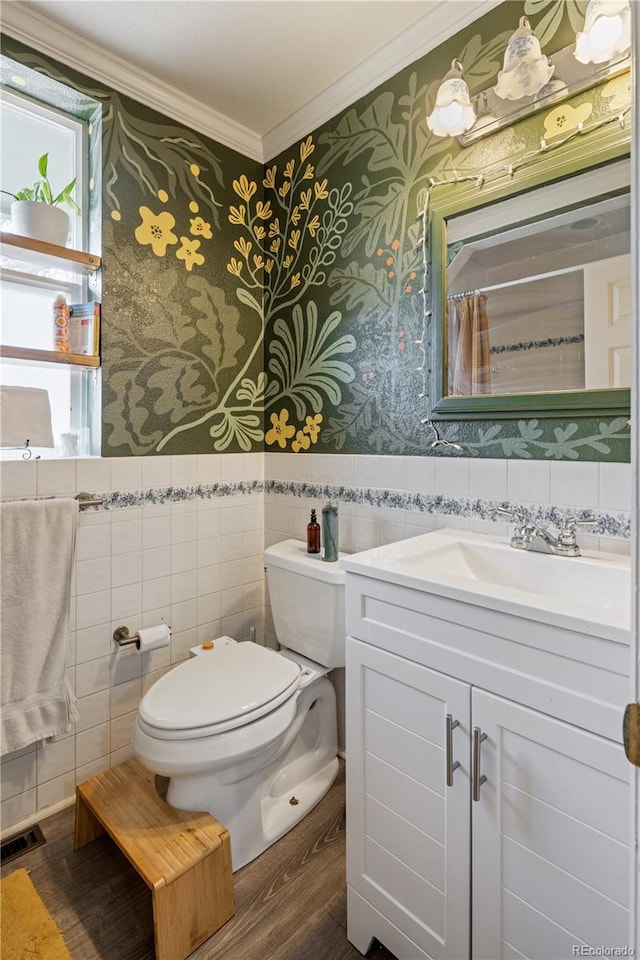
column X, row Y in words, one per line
column 37, row 817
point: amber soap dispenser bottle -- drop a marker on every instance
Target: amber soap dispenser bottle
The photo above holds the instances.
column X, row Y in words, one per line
column 313, row 534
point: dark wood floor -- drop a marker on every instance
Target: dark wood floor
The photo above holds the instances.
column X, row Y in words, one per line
column 290, row 902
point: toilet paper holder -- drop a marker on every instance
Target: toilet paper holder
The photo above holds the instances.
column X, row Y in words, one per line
column 123, row 638
column 141, row 638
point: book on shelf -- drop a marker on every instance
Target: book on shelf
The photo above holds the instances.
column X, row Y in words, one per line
column 85, row 328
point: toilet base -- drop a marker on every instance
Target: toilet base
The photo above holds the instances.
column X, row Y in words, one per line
column 253, row 797
column 280, row 814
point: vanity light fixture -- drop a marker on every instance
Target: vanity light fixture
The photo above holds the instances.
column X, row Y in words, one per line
column 530, row 81
column 607, row 31
column 453, row 112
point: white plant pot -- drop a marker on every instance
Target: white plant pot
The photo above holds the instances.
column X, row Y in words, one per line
column 40, row 221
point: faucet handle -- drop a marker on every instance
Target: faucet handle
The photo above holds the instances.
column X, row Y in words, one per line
column 568, row 529
column 516, row 515
column 523, row 531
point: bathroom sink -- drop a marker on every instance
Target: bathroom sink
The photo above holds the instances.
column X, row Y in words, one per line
column 572, row 592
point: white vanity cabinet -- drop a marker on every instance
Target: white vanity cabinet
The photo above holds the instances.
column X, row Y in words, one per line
column 408, row 834
column 533, row 858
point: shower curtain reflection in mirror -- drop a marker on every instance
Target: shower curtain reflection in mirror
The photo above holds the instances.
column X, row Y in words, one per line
column 469, row 371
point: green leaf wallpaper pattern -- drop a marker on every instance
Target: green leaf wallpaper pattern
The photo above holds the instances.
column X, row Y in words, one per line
column 249, row 306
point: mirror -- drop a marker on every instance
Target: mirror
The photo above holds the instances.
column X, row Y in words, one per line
column 532, row 304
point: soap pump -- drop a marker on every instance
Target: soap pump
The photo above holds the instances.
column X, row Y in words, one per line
column 330, row 531
column 313, row 534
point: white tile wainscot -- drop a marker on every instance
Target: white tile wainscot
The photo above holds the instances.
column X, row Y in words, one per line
column 195, row 563
column 198, row 564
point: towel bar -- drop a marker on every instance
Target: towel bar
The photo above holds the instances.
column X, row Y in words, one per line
column 86, row 500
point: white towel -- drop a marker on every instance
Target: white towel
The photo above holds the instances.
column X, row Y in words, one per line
column 38, row 548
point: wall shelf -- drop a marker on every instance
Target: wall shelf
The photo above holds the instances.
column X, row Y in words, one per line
column 49, row 356
column 48, row 253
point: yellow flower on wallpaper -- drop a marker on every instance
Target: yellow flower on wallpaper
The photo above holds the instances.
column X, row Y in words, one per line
column 263, row 210
column 245, row 188
column 274, row 228
column 312, row 427
column 189, row 253
column 200, row 228
column 237, row 214
column 284, row 189
column 281, row 430
column 301, row 442
column 295, row 216
column 313, row 225
column 259, row 262
column 289, row 168
column 259, row 232
column 305, row 199
column 269, row 266
column 270, row 177
column 321, row 191
column 243, row 246
column 235, row 267
column 306, row 149
column 308, row 435
column 295, row 281
column 565, row 118
column 288, row 260
column 275, row 245
column 308, row 174
column 155, row 230
column 294, row 239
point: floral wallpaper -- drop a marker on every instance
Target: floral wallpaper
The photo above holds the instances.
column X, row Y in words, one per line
column 283, row 306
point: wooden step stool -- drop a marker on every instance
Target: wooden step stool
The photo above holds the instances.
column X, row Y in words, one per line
column 184, row 857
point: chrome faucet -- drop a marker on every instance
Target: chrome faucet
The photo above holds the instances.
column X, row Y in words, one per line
column 529, row 535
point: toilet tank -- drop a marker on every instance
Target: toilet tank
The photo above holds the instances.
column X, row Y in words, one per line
column 307, row 601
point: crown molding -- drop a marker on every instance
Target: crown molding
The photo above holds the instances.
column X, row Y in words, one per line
column 416, row 41
column 55, row 41
column 436, row 26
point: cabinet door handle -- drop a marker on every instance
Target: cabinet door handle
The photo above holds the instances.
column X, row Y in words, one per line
column 450, row 725
column 478, row 737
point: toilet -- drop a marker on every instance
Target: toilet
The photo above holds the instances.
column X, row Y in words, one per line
column 248, row 733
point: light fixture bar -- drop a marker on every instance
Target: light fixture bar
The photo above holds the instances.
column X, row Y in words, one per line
column 570, row 77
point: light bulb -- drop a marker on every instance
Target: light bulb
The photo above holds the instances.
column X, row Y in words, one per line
column 453, row 112
column 607, row 31
column 450, row 116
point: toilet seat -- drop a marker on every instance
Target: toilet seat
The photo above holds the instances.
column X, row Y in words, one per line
column 226, row 688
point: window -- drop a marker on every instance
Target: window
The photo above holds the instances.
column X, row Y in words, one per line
column 31, row 278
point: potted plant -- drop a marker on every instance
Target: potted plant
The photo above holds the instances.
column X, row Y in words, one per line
column 36, row 211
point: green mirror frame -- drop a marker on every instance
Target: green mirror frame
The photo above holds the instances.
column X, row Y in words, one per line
column 604, row 145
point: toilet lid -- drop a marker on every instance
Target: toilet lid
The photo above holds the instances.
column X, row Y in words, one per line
column 229, row 686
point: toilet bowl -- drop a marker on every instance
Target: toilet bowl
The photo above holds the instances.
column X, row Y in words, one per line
column 248, row 733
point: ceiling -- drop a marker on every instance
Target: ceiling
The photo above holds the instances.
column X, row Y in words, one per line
column 260, row 64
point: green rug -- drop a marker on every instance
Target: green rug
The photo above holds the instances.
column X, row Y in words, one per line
column 28, row 930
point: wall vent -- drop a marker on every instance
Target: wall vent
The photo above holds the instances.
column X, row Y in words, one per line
column 21, row 842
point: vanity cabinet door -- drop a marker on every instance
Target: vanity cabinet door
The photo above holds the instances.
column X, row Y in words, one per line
column 407, row 831
column 551, row 827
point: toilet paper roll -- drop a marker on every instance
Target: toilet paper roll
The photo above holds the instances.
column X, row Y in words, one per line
column 153, row 637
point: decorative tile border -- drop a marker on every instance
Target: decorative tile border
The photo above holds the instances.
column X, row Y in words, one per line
column 537, row 344
column 154, row 496
column 607, row 524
